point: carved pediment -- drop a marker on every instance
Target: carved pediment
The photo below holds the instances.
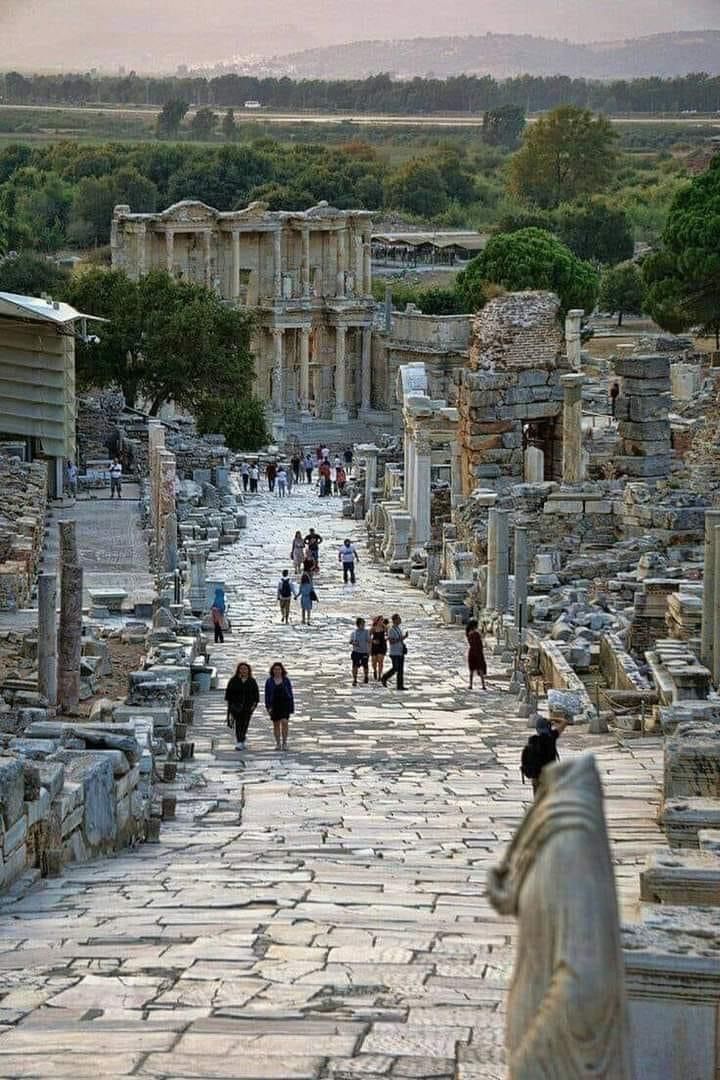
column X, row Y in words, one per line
column 254, row 211
column 190, row 212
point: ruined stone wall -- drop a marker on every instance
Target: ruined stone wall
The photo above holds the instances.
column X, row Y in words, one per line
column 23, row 502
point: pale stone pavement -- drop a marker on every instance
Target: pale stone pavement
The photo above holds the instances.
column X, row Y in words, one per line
column 320, row 913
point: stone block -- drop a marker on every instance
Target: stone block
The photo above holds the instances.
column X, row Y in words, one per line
column 680, row 877
column 692, row 762
column 682, row 818
column 651, row 431
column 642, row 367
column 12, row 867
column 38, row 809
column 52, row 776
column 14, row 836
column 12, row 790
column 99, row 820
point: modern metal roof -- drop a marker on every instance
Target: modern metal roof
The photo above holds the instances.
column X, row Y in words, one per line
column 474, row 241
column 38, row 310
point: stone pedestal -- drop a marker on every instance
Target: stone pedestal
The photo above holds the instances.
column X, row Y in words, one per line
column 47, row 637
column 420, row 509
column 197, row 557
column 572, row 428
column 534, row 472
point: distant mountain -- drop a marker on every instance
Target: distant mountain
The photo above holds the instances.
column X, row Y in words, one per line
column 500, row 55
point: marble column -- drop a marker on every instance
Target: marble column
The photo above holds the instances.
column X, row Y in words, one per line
column 169, row 250
column 366, row 370
column 456, row 485
column 716, row 609
column 278, row 394
column 305, row 370
column 70, row 638
column 167, row 474
column 156, row 443
column 197, row 557
column 422, row 492
column 491, row 590
column 521, row 570
column 47, row 637
column 340, row 412
column 141, row 249
column 572, row 428
column 277, row 264
column 340, row 286
column 369, row 452
column 207, row 254
column 502, row 555
column 367, row 267
column 710, row 592
column 235, row 264
column 573, row 320
column 305, row 263
column 359, row 264
column 534, row 471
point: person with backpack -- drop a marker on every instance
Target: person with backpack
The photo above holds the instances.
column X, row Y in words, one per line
column 285, row 593
column 360, row 656
column 541, row 749
column 280, row 703
column 242, row 696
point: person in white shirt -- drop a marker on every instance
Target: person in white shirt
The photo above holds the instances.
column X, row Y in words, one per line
column 281, row 481
column 116, row 479
column 348, row 556
column 254, row 477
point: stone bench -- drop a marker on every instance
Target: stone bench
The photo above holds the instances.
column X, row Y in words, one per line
column 682, row 877
column 111, row 599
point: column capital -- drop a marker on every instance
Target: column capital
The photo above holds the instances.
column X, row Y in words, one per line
column 278, row 331
column 572, row 379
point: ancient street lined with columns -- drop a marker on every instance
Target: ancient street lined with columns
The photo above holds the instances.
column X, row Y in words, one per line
column 320, row 913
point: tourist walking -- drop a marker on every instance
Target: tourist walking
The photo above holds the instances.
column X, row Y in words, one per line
column 217, row 613
column 476, row 653
column 295, row 465
column 398, row 652
column 348, row 556
column 280, row 703
column 288, row 479
column 242, row 696
column 360, row 655
column 245, row 474
column 308, row 468
column 325, row 481
column 116, row 479
column 340, row 480
column 281, row 481
column 308, row 597
column 378, row 645
column 312, row 542
column 254, row 477
column 541, row 749
column 614, row 395
column 297, row 552
column 71, row 479
column 285, row 593
column 270, row 474
column 347, row 457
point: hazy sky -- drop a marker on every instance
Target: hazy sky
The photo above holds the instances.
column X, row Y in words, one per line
column 159, row 34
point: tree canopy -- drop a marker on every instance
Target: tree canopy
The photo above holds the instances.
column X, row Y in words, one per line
column 683, row 277
column 596, row 229
column 529, row 259
column 566, row 154
column 32, row 275
column 622, row 291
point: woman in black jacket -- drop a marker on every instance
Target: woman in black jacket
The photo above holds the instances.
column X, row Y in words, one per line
column 242, row 696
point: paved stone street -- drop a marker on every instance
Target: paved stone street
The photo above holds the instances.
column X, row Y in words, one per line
column 319, row 913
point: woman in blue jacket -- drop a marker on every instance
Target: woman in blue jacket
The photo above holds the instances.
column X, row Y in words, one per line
column 280, row 703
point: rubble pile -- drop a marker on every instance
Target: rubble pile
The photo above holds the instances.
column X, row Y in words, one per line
column 23, row 506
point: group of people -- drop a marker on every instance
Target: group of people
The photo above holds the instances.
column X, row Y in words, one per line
column 281, row 477
column 369, row 647
column 242, row 695
column 305, row 555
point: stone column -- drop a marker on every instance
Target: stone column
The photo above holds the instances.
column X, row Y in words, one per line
column 169, row 250
column 141, row 249
column 502, row 555
column 167, row 545
column 207, row 251
column 277, row 264
column 712, row 519
column 572, row 428
column 359, row 264
column 422, row 492
column 534, row 461
column 340, row 412
column 197, row 556
column 369, row 452
column 278, row 399
column 456, row 485
column 521, row 569
column 573, row 319
column 47, row 637
column 491, row 591
column 305, row 263
column 367, row 267
column 235, row 262
column 305, row 370
column 340, row 288
column 716, row 609
column 70, row 639
column 366, row 370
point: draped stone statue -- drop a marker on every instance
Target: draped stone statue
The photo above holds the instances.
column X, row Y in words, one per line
column 567, row 1010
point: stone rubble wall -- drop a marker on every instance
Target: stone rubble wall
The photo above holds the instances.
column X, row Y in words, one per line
column 23, row 505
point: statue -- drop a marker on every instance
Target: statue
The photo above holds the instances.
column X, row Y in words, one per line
column 567, row 1010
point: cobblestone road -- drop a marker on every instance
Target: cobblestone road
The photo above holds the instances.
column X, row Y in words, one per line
column 319, row 913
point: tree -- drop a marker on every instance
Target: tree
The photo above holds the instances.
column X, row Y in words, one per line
column 165, row 340
column 503, row 126
column 29, row 274
column 229, row 127
column 528, row 259
column 171, row 117
column 203, row 124
column 418, row 187
column 622, row 290
column 566, row 154
column 242, row 422
column 94, row 200
column 596, row 229
column 683, row 278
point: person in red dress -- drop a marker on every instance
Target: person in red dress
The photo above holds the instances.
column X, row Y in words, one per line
column 476, row 653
